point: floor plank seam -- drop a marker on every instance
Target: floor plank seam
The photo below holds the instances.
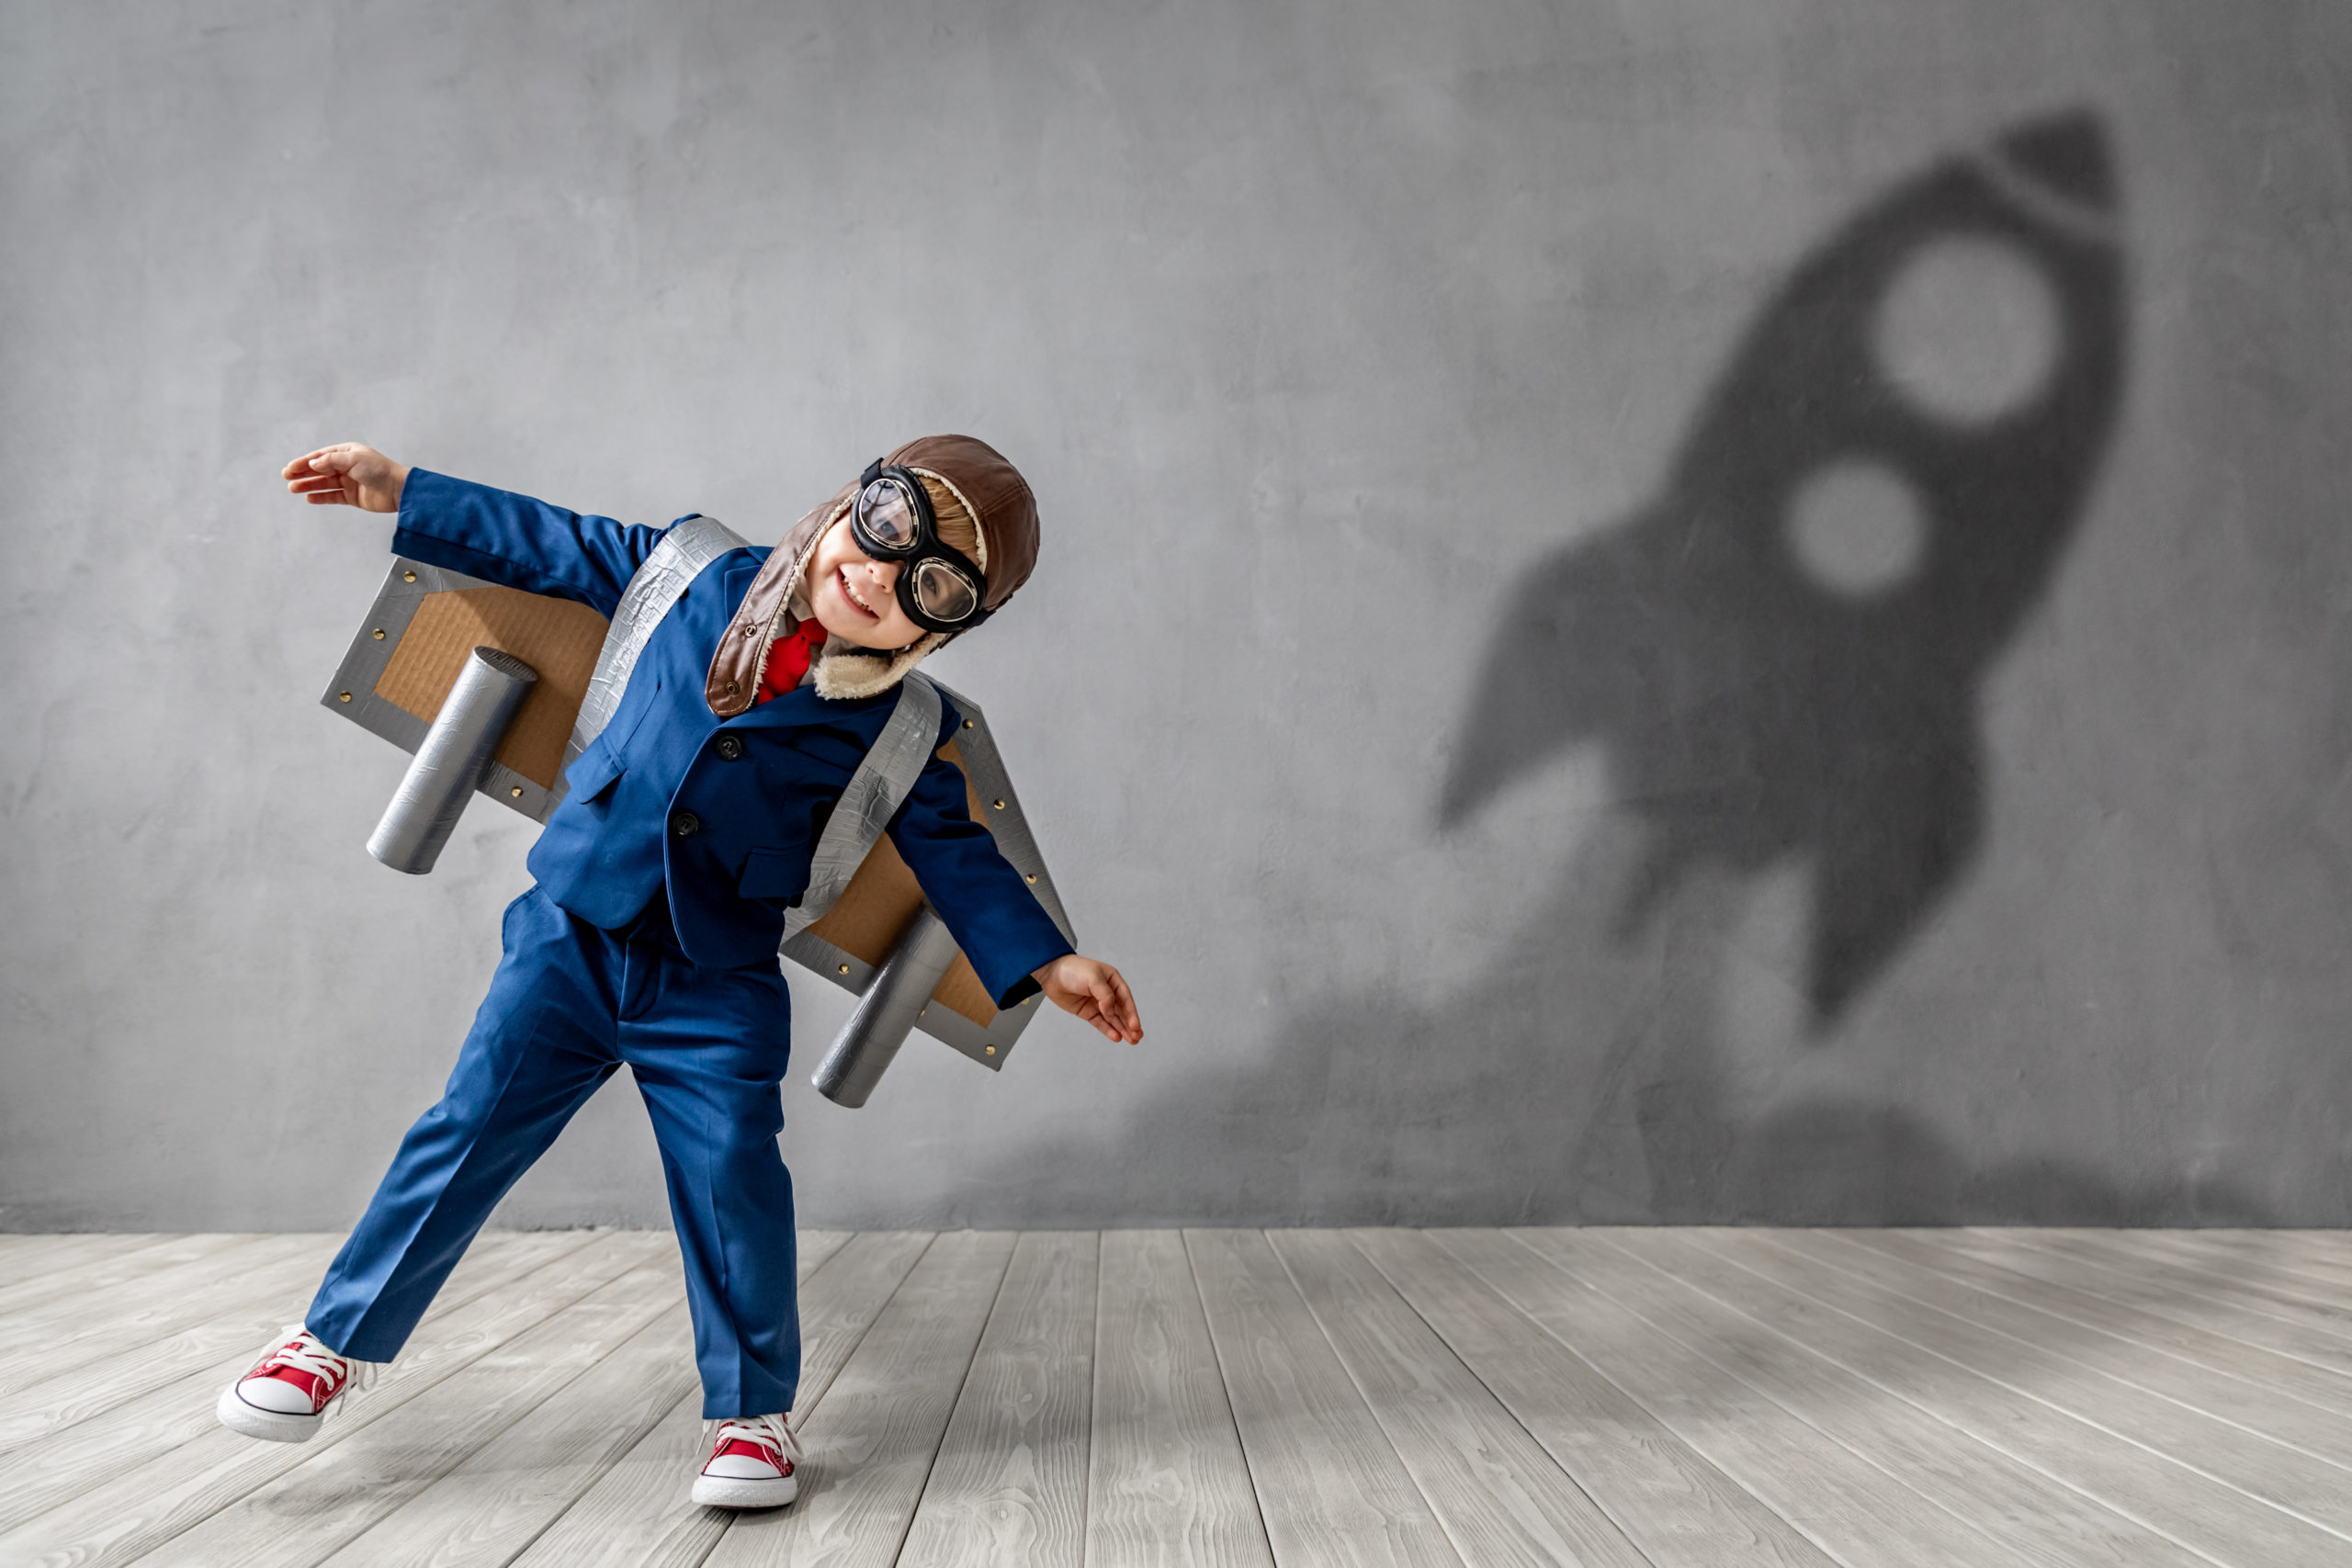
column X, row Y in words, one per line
column 2094, row 1370
column 1763, row 1395
column 1460, row 1548
column 1612, row 1515
column 2083, row 1418
column 1225, row 1377
column 2216, row 1292
column 2137, row 1339
column 907, row 1526
column 1693, row 1443
column 1093, row 1412
column 2110, row 1506
column 2335, row 1372
column 1427, row 1502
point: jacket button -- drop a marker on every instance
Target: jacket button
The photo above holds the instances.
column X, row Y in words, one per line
column 730, row 747
column 686, row 824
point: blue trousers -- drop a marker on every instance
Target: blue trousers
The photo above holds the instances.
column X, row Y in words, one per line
column 569, row 1005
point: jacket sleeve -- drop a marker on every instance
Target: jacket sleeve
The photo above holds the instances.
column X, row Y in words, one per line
column 994, row 918
column 511, row 539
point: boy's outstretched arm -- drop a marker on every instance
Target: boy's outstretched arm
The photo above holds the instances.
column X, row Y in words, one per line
column 492, row 534
column 1095, row 992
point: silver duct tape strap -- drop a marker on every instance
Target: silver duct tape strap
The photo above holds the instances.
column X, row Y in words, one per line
column 865, row 808
column 673, row 564
column 1007, row 824
column 901, row 990
column 442, row 775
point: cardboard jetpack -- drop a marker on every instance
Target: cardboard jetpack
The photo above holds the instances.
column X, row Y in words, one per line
column 484, row 684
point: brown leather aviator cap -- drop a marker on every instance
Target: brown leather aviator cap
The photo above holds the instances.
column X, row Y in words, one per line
column 1002, row 504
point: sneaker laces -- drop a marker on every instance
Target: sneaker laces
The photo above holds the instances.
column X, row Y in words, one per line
column 773, row 1433
column 299, row 1348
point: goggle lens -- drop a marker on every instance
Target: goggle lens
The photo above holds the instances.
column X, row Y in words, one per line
column 888, row 512
column 945, row 594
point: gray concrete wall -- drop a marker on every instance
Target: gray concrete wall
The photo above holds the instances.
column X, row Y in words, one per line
column 1614, row 644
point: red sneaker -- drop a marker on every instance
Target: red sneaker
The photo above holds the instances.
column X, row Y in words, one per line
column 286, row 1394
column 752, row 1464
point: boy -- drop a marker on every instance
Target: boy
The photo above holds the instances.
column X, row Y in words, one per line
column 651, row 935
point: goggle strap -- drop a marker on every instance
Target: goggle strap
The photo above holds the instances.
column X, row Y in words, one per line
column 979, row 535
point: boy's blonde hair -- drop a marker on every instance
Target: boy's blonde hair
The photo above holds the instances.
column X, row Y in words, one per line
column 957, row 529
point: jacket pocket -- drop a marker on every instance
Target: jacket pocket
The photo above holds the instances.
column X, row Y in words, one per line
column 592, row 772
column 776, row 876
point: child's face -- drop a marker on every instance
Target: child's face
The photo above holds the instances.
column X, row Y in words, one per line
column 854, row 596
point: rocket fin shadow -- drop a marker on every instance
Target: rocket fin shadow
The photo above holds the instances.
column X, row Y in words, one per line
column 1782, row 653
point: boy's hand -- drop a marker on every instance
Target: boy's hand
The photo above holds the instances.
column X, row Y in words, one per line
column 1095, row 992
column 347, row 475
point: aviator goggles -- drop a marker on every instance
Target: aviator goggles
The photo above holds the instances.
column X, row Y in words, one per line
column 938, row 588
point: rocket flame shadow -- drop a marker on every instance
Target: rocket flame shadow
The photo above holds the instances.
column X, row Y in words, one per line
column 1751, row 711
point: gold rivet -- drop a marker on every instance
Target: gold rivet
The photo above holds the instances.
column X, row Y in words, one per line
column 844, row 968
column 407, row 577
column 730, row 688
column 379, row 633
column 967, row 723
column 343, row 696
column 998, row 804
column 1033, row 879
column 992, row 1050
column 517, row 792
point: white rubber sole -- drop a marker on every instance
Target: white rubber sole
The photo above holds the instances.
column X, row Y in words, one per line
column 734, row 1492
column 273, row 1426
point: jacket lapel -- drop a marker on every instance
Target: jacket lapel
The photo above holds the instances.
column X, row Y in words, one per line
column 801, row 705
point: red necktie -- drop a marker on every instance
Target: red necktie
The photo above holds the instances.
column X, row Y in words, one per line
column 788, row 660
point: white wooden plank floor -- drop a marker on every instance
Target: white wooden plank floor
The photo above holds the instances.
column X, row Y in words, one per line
column 1610, row 1398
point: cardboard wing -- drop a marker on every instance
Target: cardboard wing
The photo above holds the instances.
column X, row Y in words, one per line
column 414, row 648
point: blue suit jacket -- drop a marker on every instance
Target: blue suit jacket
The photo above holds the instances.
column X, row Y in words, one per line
column 614, row 843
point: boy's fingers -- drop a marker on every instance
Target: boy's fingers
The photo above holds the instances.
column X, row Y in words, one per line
column 1130, row 1017
column 1118, row 1010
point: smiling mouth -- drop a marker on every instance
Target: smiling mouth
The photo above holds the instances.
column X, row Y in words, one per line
column 850, row 594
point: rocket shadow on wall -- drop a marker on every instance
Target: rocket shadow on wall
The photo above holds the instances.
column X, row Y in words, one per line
column 1782, row 655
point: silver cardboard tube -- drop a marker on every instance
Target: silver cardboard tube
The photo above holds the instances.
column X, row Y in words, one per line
column 442, row 775
column 894, row 998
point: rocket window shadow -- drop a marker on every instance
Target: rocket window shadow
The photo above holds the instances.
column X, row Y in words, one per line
column 1782, row 653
